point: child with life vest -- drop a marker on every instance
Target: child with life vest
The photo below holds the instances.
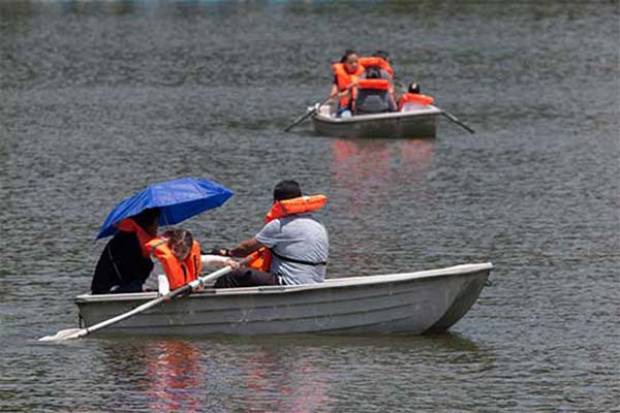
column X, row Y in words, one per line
column 179, row 255
column 413, row 99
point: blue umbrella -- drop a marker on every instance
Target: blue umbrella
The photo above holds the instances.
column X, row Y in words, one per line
column 177, row 200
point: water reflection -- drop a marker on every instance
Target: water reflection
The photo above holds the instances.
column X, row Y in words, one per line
column 297, row 373
column 175, row 377
column 367, row 171
column 169, row 373
column 183, row 375
column 300, row 382
column 369, row 178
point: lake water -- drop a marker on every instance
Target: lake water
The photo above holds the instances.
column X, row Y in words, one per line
column 98, row 99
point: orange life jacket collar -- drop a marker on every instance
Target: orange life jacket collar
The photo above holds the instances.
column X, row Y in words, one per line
column 370, row 61
column 416, row 98
column 300, row 205
column 261, row 259
column 129, row 225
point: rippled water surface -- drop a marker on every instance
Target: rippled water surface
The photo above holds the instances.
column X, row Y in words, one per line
column 97, row 99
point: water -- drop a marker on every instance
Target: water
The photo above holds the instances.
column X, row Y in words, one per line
column 98, row 99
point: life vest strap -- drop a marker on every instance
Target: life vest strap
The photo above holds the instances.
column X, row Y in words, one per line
column 296, row 261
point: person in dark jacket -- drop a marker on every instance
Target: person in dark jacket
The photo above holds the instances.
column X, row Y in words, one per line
column 373, row 100
column 125, row 263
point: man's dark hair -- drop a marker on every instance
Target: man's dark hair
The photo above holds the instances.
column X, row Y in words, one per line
column 346, row 55
column 147, row 217
column 286, row 189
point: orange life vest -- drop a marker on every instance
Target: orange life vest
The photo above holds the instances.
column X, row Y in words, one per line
column 379, row 62
column 344, row 80
column 129, row 225
column 178, row 272
column 377, row 84
column 281, row 209
column 416, row 98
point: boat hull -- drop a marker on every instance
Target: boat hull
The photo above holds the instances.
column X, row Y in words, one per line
column 411, row 303
column 414, row 124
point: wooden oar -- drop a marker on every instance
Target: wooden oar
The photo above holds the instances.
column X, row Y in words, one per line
column 443, row 112
column 307, row 114
column 456, row 120
column 72, row 333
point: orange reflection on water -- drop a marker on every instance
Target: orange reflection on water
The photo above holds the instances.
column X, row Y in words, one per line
column 177, row 379
column 299, row 386
column 366, row 171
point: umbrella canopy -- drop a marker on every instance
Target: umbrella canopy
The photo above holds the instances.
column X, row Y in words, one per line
column 177, row 200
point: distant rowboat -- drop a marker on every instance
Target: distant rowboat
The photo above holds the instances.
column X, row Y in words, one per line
column 415, row 123
column 413, row 303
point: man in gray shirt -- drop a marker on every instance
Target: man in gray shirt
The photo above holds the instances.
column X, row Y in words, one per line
column 298, row 243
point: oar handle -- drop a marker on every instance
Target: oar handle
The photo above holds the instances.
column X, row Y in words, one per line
column 201, row 281
column 446, row 113
column 308, row 113
column 457, row 121
column 128, row 314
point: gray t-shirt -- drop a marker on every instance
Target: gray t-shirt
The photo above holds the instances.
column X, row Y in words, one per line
column 299, row 237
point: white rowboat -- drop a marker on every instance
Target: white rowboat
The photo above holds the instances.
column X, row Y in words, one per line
column 413, row 303
column 415, row 123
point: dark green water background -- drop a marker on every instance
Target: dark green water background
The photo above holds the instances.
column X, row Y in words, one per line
column 98, row 99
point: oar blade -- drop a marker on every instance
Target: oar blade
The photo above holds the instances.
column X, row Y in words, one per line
column 68, row 334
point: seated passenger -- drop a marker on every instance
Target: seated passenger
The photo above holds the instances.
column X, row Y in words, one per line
column 346, row 74
column 413, row 99
column 179, row 255
column 374, row 93
column 380, row 59
column 297, row 241
column 125, row 263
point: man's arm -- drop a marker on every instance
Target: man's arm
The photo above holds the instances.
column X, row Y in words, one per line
column 245, row 248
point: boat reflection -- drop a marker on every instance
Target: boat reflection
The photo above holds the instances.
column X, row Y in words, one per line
column 300, row 383
column 293, row 373
column 366, row 171
column 176, row 377
column 372, row 180
column 220, row 374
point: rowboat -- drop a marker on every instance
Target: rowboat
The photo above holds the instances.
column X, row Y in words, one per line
column 413, row 303
column 419, row 122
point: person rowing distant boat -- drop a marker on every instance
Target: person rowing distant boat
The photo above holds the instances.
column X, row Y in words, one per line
column 364, row 84
column 346, row 75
